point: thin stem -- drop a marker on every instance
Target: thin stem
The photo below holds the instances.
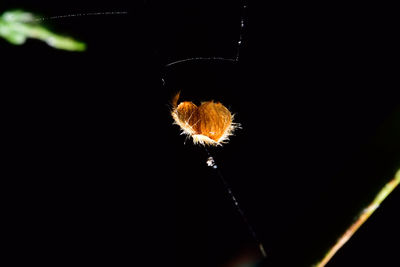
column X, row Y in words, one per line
column 364, row 215
column 213, row 165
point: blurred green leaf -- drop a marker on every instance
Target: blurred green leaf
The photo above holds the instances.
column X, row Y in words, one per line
column 17, row 25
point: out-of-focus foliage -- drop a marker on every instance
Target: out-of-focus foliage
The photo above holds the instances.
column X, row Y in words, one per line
column 17, row 25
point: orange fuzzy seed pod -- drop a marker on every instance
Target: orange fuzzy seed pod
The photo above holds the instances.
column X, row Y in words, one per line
column 209, row 124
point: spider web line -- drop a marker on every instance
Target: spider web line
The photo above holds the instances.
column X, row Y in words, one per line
column 238, row 49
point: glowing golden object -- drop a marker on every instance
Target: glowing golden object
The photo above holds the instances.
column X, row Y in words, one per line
column 211, row 123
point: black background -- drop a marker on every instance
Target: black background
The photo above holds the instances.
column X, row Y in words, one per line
column 96, row 161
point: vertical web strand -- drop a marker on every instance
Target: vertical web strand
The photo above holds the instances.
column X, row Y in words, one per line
column 211, row 163
column 241, row 29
